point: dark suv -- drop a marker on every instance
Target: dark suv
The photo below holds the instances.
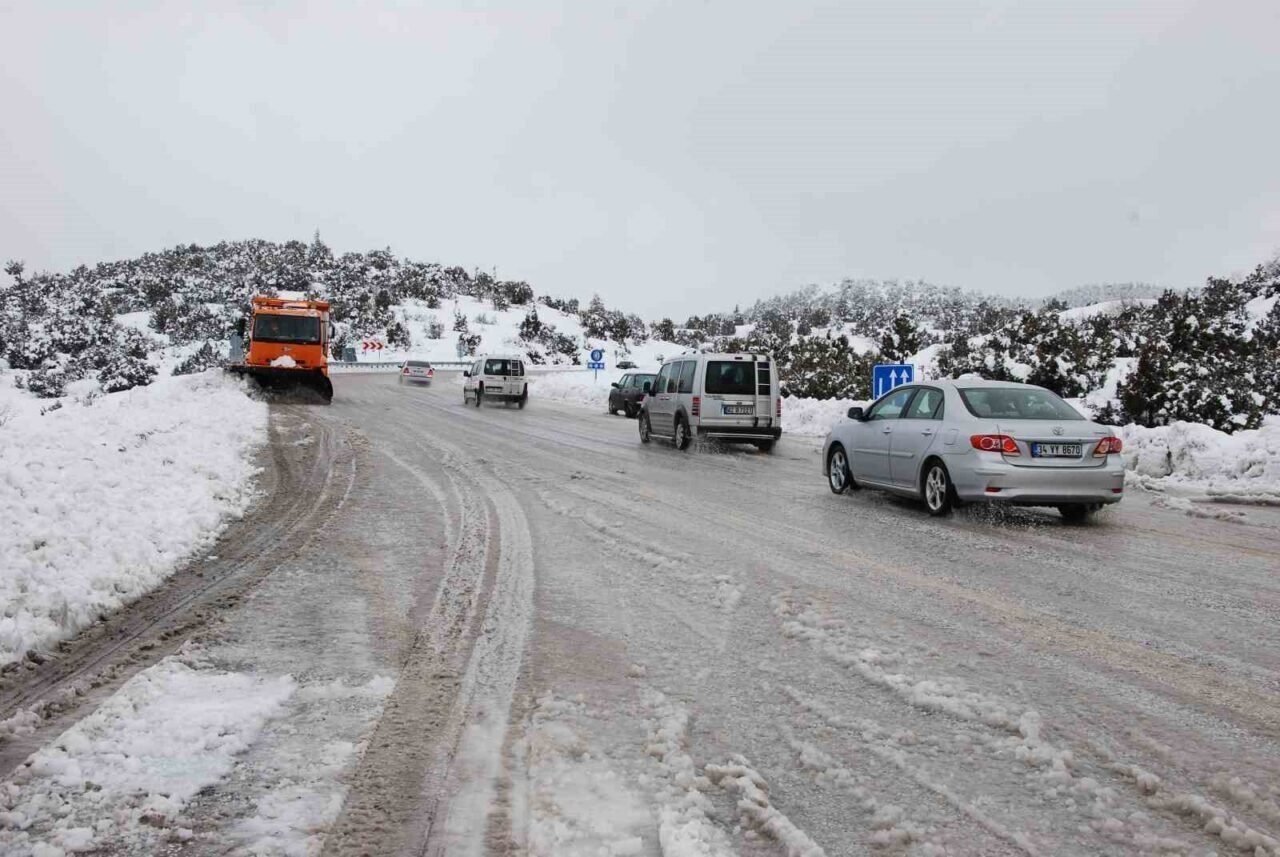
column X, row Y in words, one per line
column 628, row 393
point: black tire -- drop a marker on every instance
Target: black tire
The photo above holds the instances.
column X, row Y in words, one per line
column 765, row 446
column 479, row 393
column 523, row 400
column 629, row 411
column 646, row 431
column 1076, row 513
column 936, row 489
column 683, row 437
column 839, row 479
column 613, row 412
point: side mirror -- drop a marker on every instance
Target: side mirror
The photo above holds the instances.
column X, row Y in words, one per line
column 648, row 386
column 857, row 414
column 615, row 386
column 466, row 373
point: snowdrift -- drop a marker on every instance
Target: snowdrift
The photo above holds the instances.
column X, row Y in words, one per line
column 1244, row 466
column 102, row 498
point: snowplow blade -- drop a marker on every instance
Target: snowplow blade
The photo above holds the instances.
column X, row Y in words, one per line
column 288, row 382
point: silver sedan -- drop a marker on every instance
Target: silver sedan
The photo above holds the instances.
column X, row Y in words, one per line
column 946, row 442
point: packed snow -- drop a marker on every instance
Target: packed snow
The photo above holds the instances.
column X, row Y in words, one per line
column 1244, row 466
column 120, row 778
column 103, row 496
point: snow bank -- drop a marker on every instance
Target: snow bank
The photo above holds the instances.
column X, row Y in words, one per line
column 814, row 417
column 1243, row 466
column 118, row 779
column 103, row 497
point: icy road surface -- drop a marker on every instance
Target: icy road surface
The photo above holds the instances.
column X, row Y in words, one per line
column 499, row 631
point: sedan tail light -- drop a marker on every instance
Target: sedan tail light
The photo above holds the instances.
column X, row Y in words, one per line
column 1108, row 446
column 406, row 370
column 1001, row 443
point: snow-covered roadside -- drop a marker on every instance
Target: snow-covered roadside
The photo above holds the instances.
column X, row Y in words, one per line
column 121, row 777
column 104, row 496
column 1195, row 459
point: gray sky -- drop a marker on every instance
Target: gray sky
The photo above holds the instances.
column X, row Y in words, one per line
column 674, row 157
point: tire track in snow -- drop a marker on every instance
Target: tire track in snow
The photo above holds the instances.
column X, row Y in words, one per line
column 302, row 497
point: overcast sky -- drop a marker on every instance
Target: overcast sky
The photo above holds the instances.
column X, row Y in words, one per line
column 674, row 157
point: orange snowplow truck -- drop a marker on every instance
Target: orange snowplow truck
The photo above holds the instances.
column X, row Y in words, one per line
column 287, row 345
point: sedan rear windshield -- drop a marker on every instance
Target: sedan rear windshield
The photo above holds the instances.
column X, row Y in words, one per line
column 421, row 364
column 730, row 378
column 286, row 328
column 1017, row 403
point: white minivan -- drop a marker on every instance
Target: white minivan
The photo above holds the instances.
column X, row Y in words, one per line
column 730, row 397
column 495, row 377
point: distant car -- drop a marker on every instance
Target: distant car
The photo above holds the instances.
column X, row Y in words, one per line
column 627, row 393
column 499, row 378
column 626, row 364
column 946, row 442
column 416, row 372
column 727, row 397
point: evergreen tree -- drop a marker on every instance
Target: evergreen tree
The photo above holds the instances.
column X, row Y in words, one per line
column 901, row 341
column 531, row 327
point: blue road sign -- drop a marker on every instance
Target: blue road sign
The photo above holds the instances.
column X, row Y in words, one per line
column 594, row 365
column 886, row 376
column 597, row 356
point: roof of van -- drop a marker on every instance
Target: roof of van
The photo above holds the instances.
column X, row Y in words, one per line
column 744, row 356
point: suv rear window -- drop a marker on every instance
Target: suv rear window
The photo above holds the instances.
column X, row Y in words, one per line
column 502, row 367
column 1017, row 403
column 730, row 378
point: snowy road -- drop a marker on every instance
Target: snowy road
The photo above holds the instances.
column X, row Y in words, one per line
column 524, row 632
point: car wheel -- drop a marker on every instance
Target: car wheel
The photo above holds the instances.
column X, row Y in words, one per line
column 764, row 445
column 683, row 437
column 523, row 400
column 646, row 431
column 1076, row 513
column 839, row 479
column 629, row 411
column 613, row 412
column 939, row 495
column 479, row 393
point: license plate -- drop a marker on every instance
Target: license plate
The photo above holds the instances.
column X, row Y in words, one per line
column 739, row 410
column 497, row 388
column 1056, row 450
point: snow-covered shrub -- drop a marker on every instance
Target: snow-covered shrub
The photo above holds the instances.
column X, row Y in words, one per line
column 208, row 356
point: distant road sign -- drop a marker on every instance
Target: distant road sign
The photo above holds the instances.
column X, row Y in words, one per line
column 595, row 365
column 886, row 376
column 597, row 356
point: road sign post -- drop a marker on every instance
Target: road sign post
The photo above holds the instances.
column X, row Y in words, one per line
column 886, row 376
column 597, row 362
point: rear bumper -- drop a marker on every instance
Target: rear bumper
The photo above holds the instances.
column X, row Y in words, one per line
column 1029, row 486
column 741, row 432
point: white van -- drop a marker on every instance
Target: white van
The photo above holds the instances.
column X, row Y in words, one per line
column 496, row 377
column 731, row 397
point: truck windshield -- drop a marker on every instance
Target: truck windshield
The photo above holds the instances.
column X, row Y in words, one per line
column 286, row 328
column 730, row 377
